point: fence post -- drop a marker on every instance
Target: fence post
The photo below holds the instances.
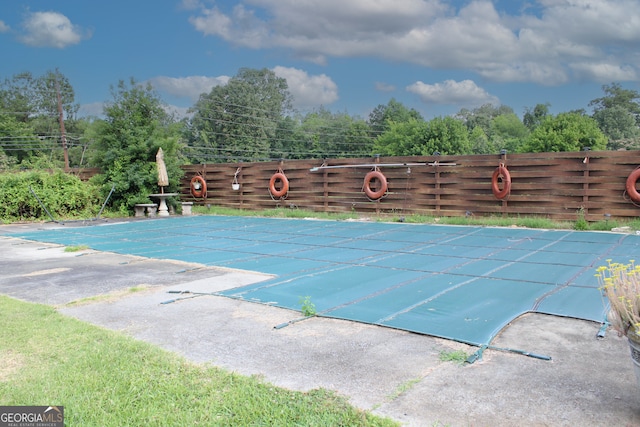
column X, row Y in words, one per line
column 585, row 183
column 437, row 179
column 503, row 160
column 325, row 186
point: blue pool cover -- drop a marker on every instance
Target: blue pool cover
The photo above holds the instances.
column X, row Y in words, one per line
column 456, row 282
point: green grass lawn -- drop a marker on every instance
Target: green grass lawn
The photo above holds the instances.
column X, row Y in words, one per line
column 104, row 378
column 489, row 221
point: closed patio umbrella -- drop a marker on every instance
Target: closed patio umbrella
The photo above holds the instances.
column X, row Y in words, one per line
column 163, row 177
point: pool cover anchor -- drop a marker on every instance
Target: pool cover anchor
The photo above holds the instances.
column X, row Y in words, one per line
column 478, row 354
column 291, row 322
column 191, row 295
column 603, row 329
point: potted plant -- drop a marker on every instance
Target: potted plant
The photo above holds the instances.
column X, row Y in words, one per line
column 620, row 283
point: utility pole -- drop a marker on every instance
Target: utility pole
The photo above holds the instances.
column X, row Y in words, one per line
column 62, row 131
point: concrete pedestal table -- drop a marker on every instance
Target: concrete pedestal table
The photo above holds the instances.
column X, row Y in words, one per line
column 162, row 206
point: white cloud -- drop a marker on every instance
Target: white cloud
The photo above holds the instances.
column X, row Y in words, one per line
column 190, row 4
column 4, row 27
column 188, row 87
column 465, row 93
column 605, row 72
column 242, row 27
column 51, row 29
column 308, row 91
column 551, row 43
column 384, row 87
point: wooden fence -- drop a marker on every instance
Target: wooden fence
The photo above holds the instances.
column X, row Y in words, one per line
column 551, row 185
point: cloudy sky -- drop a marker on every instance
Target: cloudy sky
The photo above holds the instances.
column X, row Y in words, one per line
column 346, row 55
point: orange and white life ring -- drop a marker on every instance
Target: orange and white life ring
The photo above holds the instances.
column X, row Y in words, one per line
column 279, row 180
column 631, row 185
column 198, row 187
column 501, row 173
column 382, row 187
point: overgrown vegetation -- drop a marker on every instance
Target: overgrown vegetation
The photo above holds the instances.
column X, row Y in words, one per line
column 62, row 194
column 103, row 378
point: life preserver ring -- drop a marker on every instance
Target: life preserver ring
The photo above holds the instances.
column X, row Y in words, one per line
column 375, row 195
column 502, row 173
column 631, row 185
column 198, row 187
column 279, row 176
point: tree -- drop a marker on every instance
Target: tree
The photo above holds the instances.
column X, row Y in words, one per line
column 500, row 125
column 393, row 111
column 323, row 134
column 400, row 139
column 533, row 117
column 480, row 143
column 508, row 132
column 418, row 138
column 617, row 114
column 617, row 96
column 17, row 141
column 126, row 143
column 240, row 120
column 482, row 116
column 619, row 125
column 17, row 96
column 566, row 132
column 34, row 101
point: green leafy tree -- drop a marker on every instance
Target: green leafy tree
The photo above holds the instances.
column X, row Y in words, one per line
column 126, row 143
column 400, row 139
column 617, row 96
column 17, row 140
column 501, row 126
column 508, row 132
column 534, row 116
column 17, row 96
column 34, row 102
column 394, row 111
column 240, row 120
column 480, row 143
column 323, row 134
column 418, row 138
column 619, row 125
column 566, row 132
column 618, row 116
column 482, row 116
column 288, row 142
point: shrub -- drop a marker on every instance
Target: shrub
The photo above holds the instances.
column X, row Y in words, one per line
column 62, row 194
